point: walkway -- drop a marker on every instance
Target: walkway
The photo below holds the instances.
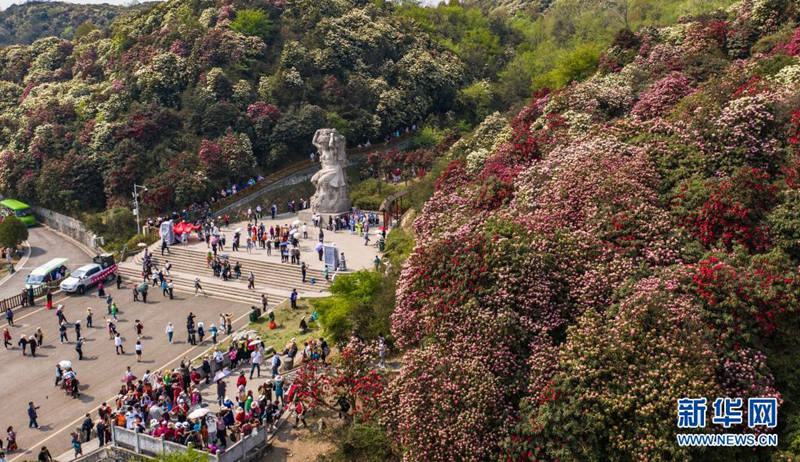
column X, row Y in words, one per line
column 45, row 245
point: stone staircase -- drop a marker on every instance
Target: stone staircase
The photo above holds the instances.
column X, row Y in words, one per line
column 274, row 279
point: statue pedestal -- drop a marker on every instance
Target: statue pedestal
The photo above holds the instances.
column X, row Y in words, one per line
column 306, row 216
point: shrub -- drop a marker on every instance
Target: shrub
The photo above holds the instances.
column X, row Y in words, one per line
column 12, row 232
column 252, row 22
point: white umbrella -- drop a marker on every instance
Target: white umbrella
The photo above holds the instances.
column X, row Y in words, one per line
column 238, row 230
column 255, row 342
column 296, row 222
column 221, row 375
column 142, row 244
column 65, row 363
column 198, row 413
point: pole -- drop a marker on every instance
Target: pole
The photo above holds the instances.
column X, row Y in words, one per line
column 136, row 207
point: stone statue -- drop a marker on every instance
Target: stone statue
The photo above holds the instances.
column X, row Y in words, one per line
column 333, row 195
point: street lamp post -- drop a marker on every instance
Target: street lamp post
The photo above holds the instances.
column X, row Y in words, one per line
column 136, row 210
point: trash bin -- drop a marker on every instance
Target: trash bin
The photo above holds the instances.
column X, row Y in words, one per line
column 288, row 363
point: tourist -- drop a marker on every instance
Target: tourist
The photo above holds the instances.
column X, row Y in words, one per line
column 138, row 349
column 213, row 331
column 251, row 281
column 44, row 455
column 76, row 444
column 88, row 317
column 62, row 331
column 303, row 270
column 11, row 441
column 118, row 344
column 32, row 415
column 276, row 363
column 170, row 330
column 6, row 338
column 255, row 362
column 198, row 287
column 39, row 336
column 23, row 343
column 79, row 347
column 10, row 317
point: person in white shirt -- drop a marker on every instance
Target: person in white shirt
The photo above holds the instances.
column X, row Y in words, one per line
column 170, row 330
column 255, row 361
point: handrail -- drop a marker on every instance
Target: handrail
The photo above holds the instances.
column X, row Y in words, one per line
column 16, row 300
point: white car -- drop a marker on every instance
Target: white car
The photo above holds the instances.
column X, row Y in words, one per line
column 82, row 278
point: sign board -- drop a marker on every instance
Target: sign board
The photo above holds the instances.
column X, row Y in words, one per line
column 331, row 254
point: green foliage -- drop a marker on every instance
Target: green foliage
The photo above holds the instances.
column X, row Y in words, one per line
column 350, row 307
column 363, row 442
column 188, row 455
column 12, row 232
column 573, row 65
column 370, row 193
column 399, row 245
column 252, row 22
column 427, row 137
column 28, row 22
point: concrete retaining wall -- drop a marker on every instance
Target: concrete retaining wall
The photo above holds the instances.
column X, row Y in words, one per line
column 67, row 225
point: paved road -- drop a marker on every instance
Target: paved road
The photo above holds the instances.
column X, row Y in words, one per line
column 23, row 379
column 45, row 245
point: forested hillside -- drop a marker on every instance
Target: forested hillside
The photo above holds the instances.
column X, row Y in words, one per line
column 191, row 95
column 187, row 96
column 620, row 244
column 25, row 23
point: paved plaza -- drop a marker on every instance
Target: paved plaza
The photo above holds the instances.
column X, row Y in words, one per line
column 24, row 378
column 357, row 255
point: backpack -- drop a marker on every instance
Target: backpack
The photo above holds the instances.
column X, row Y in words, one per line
column 278, row 362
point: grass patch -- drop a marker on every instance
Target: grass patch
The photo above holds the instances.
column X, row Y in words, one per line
column 288, row 321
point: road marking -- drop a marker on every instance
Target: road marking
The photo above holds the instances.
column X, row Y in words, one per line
column 79, row 419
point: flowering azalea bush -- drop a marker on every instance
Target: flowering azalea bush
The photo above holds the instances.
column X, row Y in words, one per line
column 632, row 242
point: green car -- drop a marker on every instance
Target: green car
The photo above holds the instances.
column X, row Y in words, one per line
column 20, row 210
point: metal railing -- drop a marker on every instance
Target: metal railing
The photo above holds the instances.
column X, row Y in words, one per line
column 151, row 446
column 17, row 300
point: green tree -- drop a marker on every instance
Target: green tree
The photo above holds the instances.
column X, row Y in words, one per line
column 350, row 307
column 12, row 232
column 252, row 22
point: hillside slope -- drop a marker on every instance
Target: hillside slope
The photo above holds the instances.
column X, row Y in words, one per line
column 623, row 243
column 189, row 96
column 28, row 22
